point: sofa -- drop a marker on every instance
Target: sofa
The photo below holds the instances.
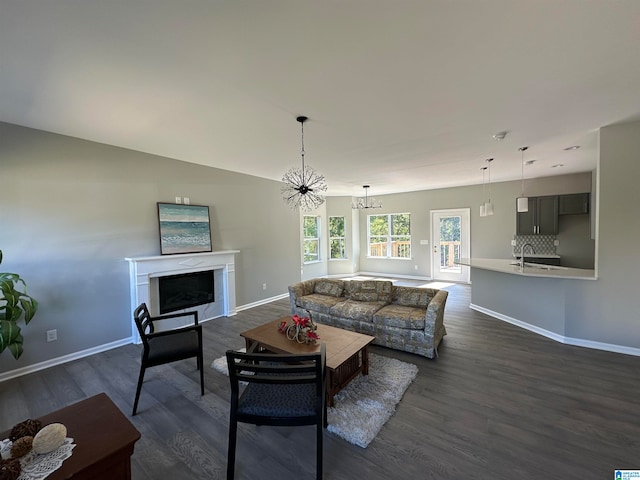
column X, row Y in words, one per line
column 410, row 319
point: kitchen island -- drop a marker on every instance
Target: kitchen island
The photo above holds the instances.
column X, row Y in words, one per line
column 535, row 297
column 512, row 266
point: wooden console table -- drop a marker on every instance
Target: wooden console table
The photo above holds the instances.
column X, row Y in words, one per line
column 104, row 440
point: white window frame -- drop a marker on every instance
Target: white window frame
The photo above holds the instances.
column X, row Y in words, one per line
column 308, row 240
column 342, row 239
column 389, row 236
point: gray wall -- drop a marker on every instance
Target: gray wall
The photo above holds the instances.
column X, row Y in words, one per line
column 606, row 310
column 72, row 210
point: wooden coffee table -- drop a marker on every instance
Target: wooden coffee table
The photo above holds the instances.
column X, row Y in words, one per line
column 347, row 352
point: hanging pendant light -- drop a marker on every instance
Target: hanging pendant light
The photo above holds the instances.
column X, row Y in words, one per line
column 365, row 202
column 483, row 208
column 303, row 187
column 488, row 206
column 522, row 201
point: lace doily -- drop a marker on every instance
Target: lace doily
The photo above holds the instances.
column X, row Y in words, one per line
column 37, row 467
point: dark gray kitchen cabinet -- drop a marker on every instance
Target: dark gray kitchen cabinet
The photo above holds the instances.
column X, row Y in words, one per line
column 541, row 219
column 573, row 204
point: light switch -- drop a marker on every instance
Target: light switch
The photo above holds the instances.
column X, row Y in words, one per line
column 186, row 200
column 424, row 242
column 178, row 200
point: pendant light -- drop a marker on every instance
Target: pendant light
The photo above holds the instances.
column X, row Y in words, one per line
column 483, row 208
column 303, row 188
column 365, row 202
column 488, row 205
column 522, row 201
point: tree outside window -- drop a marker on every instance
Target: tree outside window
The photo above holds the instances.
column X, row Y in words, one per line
column 390, row 235
column 337, row 238
column 311, row 227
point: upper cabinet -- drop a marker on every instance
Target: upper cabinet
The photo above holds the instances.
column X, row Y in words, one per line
column 541, row 219
column 576, row 203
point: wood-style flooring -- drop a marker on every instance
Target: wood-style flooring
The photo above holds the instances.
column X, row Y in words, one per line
column 499, row 403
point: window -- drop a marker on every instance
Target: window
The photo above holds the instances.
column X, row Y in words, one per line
column 311, row 226
column 336, row 238
column 390, row 235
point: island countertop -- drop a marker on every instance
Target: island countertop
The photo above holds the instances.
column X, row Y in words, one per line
column 512, row 266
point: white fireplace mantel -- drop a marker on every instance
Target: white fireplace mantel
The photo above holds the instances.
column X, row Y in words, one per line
column 144, row 272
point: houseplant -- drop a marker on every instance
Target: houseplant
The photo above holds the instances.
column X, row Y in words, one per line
column 15, row 305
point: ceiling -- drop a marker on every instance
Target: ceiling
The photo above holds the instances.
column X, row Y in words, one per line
column 401, row 95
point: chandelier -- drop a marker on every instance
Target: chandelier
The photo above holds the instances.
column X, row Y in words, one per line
column 303, row 186
column 362, row 203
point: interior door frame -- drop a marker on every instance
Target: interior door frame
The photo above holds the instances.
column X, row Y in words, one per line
column 465, row 241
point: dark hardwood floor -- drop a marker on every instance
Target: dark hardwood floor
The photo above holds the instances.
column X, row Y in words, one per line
column 499, row 403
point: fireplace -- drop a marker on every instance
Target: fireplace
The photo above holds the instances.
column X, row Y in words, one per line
column 147, row 273
column 185, row 290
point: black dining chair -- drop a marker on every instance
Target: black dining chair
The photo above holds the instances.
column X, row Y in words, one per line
column 278, row 390
column 168, row 345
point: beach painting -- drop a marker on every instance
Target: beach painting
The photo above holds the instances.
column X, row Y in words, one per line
column 184, row 228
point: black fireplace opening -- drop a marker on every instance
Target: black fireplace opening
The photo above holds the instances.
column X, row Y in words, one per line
column 186, row 290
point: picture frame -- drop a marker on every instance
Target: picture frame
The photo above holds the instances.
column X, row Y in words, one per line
column 184, row 228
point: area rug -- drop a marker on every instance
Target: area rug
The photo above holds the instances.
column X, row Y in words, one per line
column 365, row 405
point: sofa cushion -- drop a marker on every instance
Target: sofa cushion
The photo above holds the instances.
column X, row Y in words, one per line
column 355, row 310
column 368, row 290
column 412, row 297
column 325, row 286
column 318, row 303
column 400, row 316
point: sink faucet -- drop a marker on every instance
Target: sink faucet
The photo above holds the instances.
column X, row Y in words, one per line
column 522, row 253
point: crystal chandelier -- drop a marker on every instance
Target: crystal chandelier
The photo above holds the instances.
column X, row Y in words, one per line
column 303, row 187
column 362, row 203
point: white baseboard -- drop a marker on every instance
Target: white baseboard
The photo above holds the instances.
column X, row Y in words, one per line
column 262, row 302
column 64, row 359
column 395, row 275
column 578, row 342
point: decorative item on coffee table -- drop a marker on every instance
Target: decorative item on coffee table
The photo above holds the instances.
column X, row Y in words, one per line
column 300, row 329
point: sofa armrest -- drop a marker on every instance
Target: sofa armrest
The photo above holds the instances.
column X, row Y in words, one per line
column 435, row 311
column 298, row 290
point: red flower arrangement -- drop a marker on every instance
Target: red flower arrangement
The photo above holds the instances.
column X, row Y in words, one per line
column 300, row 329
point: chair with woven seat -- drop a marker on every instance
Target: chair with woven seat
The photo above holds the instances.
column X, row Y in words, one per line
column 167, row 346
column 280, row 390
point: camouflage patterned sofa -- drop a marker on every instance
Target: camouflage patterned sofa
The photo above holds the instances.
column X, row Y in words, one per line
column 403, row 318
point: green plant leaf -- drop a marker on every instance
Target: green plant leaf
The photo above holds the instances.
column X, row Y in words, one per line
column 10, row 338
column 30, row 306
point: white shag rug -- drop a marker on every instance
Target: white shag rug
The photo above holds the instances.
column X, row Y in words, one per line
column 365, row 405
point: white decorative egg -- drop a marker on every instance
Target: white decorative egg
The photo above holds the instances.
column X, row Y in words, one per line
column 49, row 438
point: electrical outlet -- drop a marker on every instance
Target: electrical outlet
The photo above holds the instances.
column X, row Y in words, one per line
column 556, row 243
column 178, row 199
column 415, row 267
column 52, row 335
column 264, row 286
column 513, row 243
column 186, row 200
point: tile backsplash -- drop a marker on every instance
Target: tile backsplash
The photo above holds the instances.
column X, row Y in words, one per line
column 542, row 244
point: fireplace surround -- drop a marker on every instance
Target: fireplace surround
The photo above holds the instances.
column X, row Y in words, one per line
column 144, row 273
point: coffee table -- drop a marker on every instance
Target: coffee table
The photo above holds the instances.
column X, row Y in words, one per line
column 347, row 353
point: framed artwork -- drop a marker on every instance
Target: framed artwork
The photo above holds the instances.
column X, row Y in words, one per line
column 184, row 228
